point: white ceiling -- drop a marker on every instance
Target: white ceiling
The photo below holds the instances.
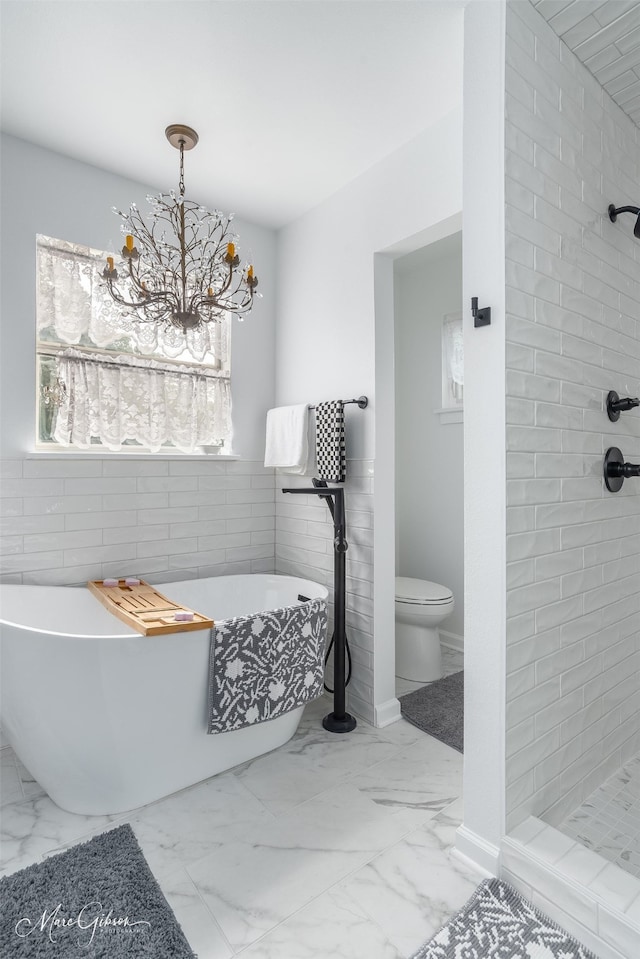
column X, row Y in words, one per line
column 292, row 98
column 605, row 36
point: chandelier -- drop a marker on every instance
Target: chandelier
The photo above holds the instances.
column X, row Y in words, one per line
column 181, row 269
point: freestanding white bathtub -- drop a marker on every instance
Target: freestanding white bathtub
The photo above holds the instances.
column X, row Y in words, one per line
column 107, row 719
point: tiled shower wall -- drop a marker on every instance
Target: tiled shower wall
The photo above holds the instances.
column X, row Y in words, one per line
column 66, row 520
column 304, row 547
column 573, row 334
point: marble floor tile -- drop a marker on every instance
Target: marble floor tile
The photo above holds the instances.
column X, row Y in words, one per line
column 332, row 926
column 412, row 889
column 202, row 932
column 401, row 733
column 253, row 884
column 453, row 814
column 193, row 823
column 311, row 762
column 314, row 711
column 37, row 827
column 421, row 779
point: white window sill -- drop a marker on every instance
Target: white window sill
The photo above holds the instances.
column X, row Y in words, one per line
column 452, row 414
column 62, row 454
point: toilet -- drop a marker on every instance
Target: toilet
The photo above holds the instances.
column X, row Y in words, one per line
column 421, row 606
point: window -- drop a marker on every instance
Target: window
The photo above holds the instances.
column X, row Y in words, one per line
column 452, row 362
column 117, row 382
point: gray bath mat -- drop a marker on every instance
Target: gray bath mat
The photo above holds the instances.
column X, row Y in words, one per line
column 497, row 923
column 438, row 709
column 98, row 900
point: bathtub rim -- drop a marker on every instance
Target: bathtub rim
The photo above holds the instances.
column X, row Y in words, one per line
column 127, row 632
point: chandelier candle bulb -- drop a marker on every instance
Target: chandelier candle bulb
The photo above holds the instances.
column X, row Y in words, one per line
column 129, row 242
column 110, row 263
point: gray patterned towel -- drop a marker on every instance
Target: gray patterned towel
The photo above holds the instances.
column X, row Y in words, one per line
column 331, row 455
column 264, row 665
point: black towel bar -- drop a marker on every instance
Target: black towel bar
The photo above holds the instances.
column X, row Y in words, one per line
column 362, row 401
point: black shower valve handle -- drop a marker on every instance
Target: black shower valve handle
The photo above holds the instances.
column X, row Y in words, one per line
column 624, row 469
column 628, row 403
column 617, row 405
column 616, row 471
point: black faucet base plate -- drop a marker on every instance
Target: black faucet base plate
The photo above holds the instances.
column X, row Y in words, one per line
column 339, row 724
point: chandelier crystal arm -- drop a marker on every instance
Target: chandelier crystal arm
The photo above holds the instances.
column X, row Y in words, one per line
column 239, row 308
column 149, row 296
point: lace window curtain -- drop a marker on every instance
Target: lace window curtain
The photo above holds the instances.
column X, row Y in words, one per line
column 452, row 361
column 114, row 397
column 126, row 399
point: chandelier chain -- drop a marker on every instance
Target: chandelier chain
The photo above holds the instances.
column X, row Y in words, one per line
column 181, row 182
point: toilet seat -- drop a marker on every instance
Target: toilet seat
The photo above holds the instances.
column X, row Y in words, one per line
column 421, row 592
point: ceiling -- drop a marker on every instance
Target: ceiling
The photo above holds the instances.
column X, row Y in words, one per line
column 605, row 36
column 292, row 99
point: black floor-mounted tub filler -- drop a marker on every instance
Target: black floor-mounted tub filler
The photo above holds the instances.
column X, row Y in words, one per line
column 339, row 721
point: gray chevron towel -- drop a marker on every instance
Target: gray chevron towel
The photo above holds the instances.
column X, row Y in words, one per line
column 331, row 453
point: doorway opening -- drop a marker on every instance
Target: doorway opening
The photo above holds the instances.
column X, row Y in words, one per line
column 429, row 481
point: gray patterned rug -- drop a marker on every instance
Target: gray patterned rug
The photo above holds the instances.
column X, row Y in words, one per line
column 497, row 923
column 438, row 709
column 97, row 900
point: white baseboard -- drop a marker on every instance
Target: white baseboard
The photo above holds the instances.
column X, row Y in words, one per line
column 484, row 855
column 452, row 640
column 387, row 713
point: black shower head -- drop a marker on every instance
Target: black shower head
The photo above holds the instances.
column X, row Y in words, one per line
column 613, row 215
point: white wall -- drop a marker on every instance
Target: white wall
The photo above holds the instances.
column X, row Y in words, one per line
column 44, row 192
column 484, row 433
column 68, row 519
column 325, row 325
column 573, row 301
column 429, row 449
column 331, row 330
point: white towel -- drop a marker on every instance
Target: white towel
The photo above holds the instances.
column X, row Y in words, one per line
column 287, row 442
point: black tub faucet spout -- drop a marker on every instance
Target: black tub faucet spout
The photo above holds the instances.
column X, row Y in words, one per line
column 337, row 509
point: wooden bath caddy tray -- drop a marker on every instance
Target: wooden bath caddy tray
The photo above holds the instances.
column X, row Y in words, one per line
column 145, row 609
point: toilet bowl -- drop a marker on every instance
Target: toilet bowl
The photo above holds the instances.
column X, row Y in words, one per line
column 421, row 607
